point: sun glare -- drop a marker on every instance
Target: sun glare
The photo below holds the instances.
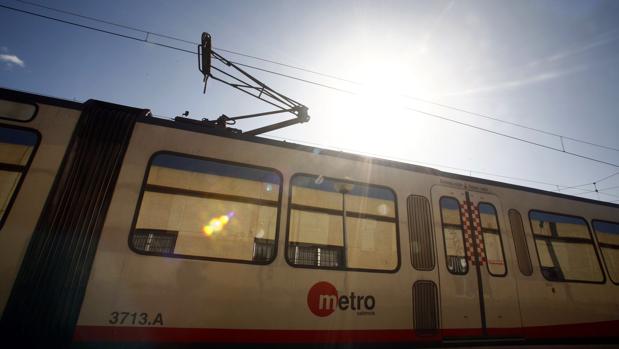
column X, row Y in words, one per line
column 217, row 224
column 387, row 81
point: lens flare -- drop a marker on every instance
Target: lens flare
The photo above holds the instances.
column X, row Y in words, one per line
column 217, row 224
column 207, row 230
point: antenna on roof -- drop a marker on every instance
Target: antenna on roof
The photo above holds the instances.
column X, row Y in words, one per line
column 244, row 82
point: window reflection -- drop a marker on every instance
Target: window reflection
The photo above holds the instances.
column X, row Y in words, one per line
column 340, row 224
column 209, row 209
column 608, row 240
column 565, row 248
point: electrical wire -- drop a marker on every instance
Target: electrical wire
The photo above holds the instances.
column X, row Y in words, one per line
column 145, row 40
column 591, row 183
column 442, row 105
column 593, row 191
column 455, row 168
column 148, row 32
column 611, row 195
column 424, row 163
column 607, row 177
column 324, row 85
column 471, row 172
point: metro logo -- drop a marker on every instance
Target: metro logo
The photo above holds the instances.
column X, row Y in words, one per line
column 323, row 299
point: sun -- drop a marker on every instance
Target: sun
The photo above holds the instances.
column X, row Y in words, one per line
column 385, row 83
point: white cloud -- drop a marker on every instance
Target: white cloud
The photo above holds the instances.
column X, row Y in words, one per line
column 12, row 60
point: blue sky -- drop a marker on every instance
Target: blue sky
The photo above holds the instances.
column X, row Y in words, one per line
column 546, row 64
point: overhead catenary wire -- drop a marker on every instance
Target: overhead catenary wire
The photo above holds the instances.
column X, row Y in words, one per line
column 607, row 177
column 433, row 115
column 593, row 191
column 166, row 36
column 611, row 195
column 471, row 172
column 592, row 182
column 145, row 40
column 442, row 105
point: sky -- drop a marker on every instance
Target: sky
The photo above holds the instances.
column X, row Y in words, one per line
column 550, row 65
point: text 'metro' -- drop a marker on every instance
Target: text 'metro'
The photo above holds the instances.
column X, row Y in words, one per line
column 323, row 300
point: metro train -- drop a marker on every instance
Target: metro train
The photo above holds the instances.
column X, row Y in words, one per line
column 119, row 228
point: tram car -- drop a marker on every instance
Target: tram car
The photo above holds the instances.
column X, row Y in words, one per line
column 119, row 228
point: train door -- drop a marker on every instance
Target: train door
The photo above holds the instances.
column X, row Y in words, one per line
column 478, row 297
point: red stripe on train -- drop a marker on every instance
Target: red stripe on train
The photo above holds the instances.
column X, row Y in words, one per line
column 588, row 330
column 195, row 335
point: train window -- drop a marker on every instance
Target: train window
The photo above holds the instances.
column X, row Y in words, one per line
column 520, row 243
column 336, row 224
column 207, row 209
column 421, row 235
column 453, row 234
column 17, row 147
column 13, row 110
column 608, row 240
column 565, row 248
column 493, row 244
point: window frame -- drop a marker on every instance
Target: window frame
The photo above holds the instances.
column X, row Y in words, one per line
column 22, row 100
column 136, row 213
column 24, row 172
column 483, row 239
column 599, row 245
column 567, row 239
column 466, row 256
column 395, row 222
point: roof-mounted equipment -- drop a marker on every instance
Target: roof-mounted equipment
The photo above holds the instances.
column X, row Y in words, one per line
column 244, row 82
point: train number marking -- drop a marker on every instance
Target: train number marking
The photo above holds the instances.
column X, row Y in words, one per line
column 127, row 318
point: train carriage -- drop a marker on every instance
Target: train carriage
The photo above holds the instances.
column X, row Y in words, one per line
column 121, row 228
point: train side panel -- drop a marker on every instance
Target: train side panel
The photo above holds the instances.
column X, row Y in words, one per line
column 184, row 299
column 202, row 294
column 54, row 126
column 581, row 305
column 376, row 289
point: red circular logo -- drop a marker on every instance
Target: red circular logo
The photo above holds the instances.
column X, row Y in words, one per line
column 322, row 299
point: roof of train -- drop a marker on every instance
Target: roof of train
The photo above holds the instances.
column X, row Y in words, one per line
column 29, row 97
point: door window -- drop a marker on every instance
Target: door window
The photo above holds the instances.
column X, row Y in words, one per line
column 453, row 233
column 493, row 244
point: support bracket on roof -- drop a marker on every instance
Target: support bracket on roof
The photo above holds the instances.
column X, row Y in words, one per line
column 244, row 82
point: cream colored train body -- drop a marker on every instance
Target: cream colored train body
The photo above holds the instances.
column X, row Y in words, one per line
column 119, row 228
